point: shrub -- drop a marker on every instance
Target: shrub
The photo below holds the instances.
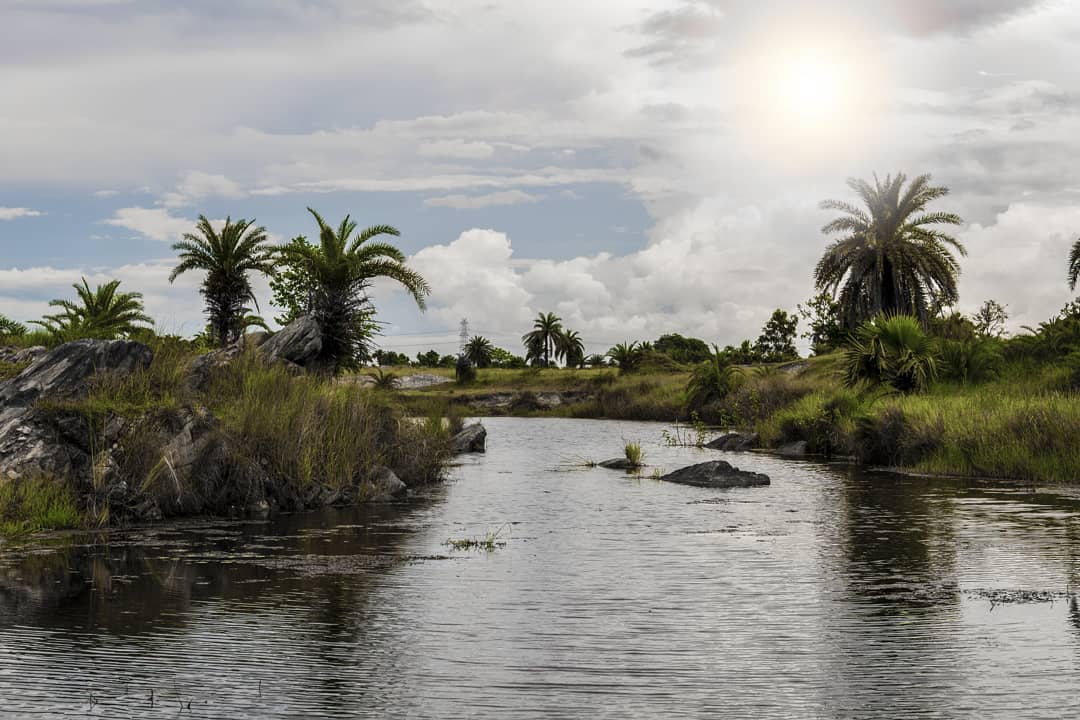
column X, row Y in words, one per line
column 976, row 359
column 891, row 350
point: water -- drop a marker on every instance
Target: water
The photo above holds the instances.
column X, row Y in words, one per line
column 828, row 594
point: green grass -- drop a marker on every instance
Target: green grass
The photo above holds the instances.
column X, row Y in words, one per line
column 34, row 504
column 634, row 454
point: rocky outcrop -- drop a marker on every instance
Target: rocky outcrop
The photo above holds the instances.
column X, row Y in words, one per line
column 22, row 355
column 421, row 380
column 299, row 343
column 472, row 439
column 33, row 442
column 734, row 442
column 509, row 402
column 716, row 474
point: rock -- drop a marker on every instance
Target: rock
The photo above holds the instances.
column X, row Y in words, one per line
column 31, row 442
column 792, row 449
column 385, row 485
column 421, row 380
column 715, row 474
column 299, row 342
column 734, row 441
column 472, row 439
column 619, row 464
column 30, row 354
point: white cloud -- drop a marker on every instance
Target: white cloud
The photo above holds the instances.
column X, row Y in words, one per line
column 198, row 185
column 472, row 202
column 458, row 149
column 154, row 223
column 11, row 213
column 105, row 193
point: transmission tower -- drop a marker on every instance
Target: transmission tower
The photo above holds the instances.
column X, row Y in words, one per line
column 463, row 336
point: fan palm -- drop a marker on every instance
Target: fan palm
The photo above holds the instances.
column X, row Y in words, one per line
column 545, row 339
column 891, row 259
column 573, row 348
column 226, row 256
column 341, row 267
column 891, row 350
column 479, row 351
column 712, row 380
column 102, row 312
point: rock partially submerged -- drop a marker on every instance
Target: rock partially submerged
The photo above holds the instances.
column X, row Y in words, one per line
column 716, row 474
column 734, row 441
column 619, row 464
column 472, row 439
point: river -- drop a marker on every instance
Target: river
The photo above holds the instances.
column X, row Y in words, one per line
column 832, row 593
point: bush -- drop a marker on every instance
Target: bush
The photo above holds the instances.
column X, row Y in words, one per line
column 891, row 350
column 976, row 359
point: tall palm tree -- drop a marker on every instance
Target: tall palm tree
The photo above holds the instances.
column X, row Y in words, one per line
column 102, row 313
column 227, row 257
column 341, row 268
column 573, row 348
column 890, row 259
column 546, row 336
column 479, row 351
column 1074, row 264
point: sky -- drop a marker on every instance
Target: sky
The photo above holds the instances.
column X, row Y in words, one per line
column 637, row 167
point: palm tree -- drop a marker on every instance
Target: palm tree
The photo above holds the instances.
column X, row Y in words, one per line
column 479, row 351
column 227, row 257
column 573, row 348
column 1074, row 264
column 891, row 350
column 712, row 380
column 102, row 313
column 891, row 259
column 626, row 355
column 341, row 268
column 546, row 337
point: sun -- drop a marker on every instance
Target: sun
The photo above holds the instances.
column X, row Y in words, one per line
column 810, row 88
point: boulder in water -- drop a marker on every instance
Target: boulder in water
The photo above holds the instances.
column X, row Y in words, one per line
column 716, row 474
column 472, row 439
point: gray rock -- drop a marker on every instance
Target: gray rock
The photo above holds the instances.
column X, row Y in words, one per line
column 299, row 342
column 30, row 354
column 385, row 485
column 29, row 441
column 716, row 474
column 734, row 441
column 472, row 439
column 421, row 380
column 792, row 449
column 619, row 464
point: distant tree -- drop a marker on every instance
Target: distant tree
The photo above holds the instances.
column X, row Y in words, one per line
column 777, row 340
column 543, row 342
column 573, row 348
column 479, row 351
column 227, row 257
column 448, row 361
column 1074, row 264
column 10, row 328
column 990, row 318
column 506, row 359
column 681, row 349
column 341, row 268
column 627, row 356
column 387, row 358
column 822, row 316
column 428, row 359
column 464, row 370
column 745, row 354
column 103, row 313
column 952, row 326
column 596, row 361
column 891, row 258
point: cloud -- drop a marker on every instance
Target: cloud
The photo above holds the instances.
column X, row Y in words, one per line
column 472, row 202
column 11, row 213
column 198, row 185
column 154, row 223
column 457, row 149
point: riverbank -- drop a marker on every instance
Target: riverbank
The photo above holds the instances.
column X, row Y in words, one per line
column 109, row 432
column 1022, row 424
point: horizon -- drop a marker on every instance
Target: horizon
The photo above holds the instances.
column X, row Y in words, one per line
column 638, row 169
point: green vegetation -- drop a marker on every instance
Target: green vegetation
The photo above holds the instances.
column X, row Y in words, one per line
column 227, row 257
column 337, row 273
column 489, row 542
column 633, row 452
column 101, row 312
column 32, row 504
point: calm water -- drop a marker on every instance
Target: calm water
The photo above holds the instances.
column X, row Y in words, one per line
column 828, row 594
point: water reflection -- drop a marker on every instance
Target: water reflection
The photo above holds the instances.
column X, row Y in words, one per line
column 827, row 594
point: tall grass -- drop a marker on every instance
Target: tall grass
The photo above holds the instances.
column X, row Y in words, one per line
column 36, row 503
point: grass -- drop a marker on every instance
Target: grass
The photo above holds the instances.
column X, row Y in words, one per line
column 634, row 454
column 34, row 504
column 488, row 543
